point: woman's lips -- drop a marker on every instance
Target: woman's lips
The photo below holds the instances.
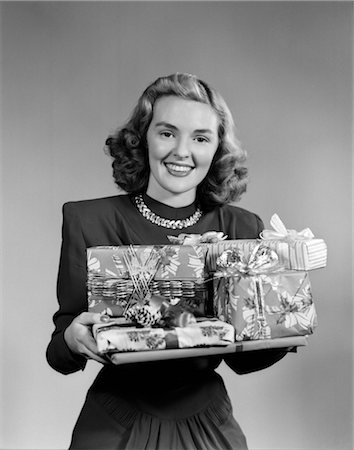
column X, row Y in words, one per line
column 179, row 170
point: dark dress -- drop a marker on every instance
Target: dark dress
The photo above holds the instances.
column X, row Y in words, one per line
column 166, row 405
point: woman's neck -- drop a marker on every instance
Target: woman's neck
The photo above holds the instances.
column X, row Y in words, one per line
column 174, row 200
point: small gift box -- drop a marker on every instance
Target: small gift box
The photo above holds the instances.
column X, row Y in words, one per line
column 261, row 300
column 295, row 250
column 118, row 277
column 116, row 338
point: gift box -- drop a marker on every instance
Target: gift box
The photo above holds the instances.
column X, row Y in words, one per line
column 295, row 250
column 261, row 299
column 117, row 338
column 266, row 306
column 118, row 277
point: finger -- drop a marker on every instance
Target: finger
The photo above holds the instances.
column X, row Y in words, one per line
column 87, row 318
column 89, row 343
column 91, row 355
column 89, row 348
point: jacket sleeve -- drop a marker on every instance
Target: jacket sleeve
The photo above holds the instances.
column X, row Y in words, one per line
column 71, row 293
column 247, row 362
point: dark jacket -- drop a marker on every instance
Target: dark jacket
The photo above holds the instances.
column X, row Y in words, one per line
column 115, row 221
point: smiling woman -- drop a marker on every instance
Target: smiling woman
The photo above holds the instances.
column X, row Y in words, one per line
column 181, row 164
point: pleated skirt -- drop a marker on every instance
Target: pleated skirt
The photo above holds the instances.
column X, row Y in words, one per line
column 194, row 416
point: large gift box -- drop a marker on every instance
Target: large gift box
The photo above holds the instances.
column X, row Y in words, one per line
column 261, row 300
column 118, row 277
column 295, row 250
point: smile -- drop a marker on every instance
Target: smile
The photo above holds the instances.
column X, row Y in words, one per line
column 178, row 169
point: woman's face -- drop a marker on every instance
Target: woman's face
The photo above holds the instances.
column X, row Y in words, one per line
column 182, row 140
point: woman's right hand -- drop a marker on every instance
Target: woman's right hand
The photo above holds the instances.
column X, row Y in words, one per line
column 79, row 338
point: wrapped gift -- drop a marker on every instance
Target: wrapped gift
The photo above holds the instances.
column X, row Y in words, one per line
column 118, row 277
column 295, row 250
column 261, row 300
column 117, row 338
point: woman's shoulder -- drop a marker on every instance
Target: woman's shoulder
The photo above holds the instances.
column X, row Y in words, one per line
column 98, row 206
column 242, row 223
column 240, row 213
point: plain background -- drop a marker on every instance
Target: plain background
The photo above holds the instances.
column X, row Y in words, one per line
column 71, row 73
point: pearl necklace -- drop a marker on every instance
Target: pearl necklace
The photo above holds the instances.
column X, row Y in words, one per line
column 167, row 223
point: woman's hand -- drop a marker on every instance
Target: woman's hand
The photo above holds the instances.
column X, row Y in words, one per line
column 79, row 338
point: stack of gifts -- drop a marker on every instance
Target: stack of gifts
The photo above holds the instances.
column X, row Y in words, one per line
column 204, row 292
column 158, row 296
column 262, row 286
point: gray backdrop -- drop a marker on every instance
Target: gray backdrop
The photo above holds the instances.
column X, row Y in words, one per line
column 70, row 73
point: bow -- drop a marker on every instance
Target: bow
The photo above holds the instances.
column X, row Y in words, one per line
column 280, row 232
column 262, row 260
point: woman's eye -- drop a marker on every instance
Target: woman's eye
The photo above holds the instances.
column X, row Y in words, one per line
column 166, row 134
column 201, row 139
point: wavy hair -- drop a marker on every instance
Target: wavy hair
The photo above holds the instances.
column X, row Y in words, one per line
column 226, row 179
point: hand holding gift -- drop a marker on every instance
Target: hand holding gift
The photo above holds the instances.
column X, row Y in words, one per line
column 78, row 335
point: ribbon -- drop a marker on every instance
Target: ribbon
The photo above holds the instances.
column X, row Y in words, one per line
column 141, row 272
column 281, row 232
column 144, row 308
column 209, row 237
column 262, row 260
column 142, row 269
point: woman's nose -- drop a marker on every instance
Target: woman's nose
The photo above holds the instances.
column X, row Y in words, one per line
column 181, row 148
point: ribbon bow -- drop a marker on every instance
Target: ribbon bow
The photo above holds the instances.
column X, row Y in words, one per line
column 280, row 232
column 261, row 261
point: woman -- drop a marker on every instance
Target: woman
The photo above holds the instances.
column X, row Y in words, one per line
column 179, row 160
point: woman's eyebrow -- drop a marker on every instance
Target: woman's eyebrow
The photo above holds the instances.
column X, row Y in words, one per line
column 173, row 127
column 166, row 124
column 204, row 131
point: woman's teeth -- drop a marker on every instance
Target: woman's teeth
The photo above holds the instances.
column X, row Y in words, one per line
column 178, row 168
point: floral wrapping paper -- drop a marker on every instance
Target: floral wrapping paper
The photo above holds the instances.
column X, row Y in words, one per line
column 172, row 271
column 116, row 338
column 296, row 255
column 266, row 306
